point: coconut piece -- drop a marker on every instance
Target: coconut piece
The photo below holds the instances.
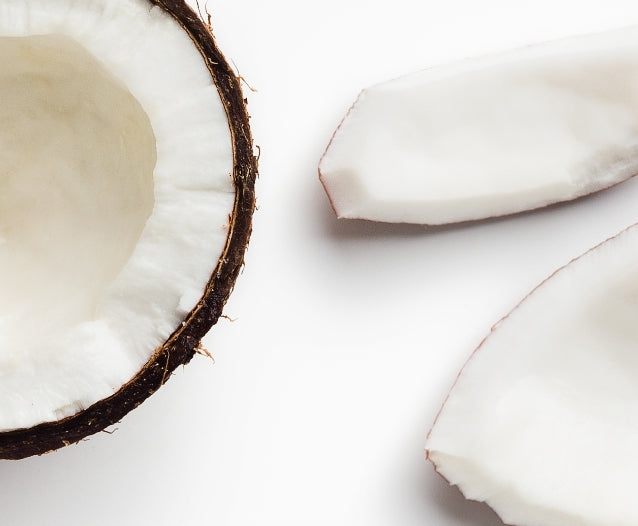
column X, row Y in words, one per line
column 542, row 422
column 126, row 195
column 490, row 136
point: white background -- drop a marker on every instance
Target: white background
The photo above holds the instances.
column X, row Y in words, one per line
column 346, row 335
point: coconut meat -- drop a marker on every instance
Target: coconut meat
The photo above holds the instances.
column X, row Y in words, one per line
column 490, row 136
column 542, row 422
column 115, row 193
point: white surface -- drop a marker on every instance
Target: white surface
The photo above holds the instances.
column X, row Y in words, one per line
column 490, row 136
column 554, row 382
column 347, row 336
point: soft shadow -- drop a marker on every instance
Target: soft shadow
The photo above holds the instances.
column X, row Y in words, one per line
column 345, row 229
column 454, row 505
column 354, row 229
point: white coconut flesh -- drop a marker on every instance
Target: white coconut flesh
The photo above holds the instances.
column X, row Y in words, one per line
column 542, row 423
column 490, row 136
column 115, row 194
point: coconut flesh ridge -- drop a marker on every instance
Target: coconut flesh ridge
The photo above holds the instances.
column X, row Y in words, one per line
column 115, row 194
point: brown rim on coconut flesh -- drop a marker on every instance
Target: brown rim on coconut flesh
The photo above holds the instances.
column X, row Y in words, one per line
column 183, row 343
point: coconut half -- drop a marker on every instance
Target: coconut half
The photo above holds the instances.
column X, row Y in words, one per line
column 490, row 136
column 542, row 422
column 126, row 195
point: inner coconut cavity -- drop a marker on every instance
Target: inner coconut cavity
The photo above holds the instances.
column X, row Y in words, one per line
column 115, row 194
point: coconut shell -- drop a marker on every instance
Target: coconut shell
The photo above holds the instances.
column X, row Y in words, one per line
column 183, row 343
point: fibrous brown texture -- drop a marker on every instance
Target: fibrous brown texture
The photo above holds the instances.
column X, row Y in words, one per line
column 183, row 343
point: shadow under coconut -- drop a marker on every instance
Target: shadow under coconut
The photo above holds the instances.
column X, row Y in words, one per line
column 351, row 229
column 453, row 504
column 344, row 229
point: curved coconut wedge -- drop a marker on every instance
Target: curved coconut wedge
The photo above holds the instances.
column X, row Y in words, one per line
column 542, row 422
column 126, row 195
column 490, row 136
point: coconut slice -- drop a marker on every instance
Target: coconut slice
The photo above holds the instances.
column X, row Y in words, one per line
column 542, row 422
column 126, row 195
column 490, row 136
